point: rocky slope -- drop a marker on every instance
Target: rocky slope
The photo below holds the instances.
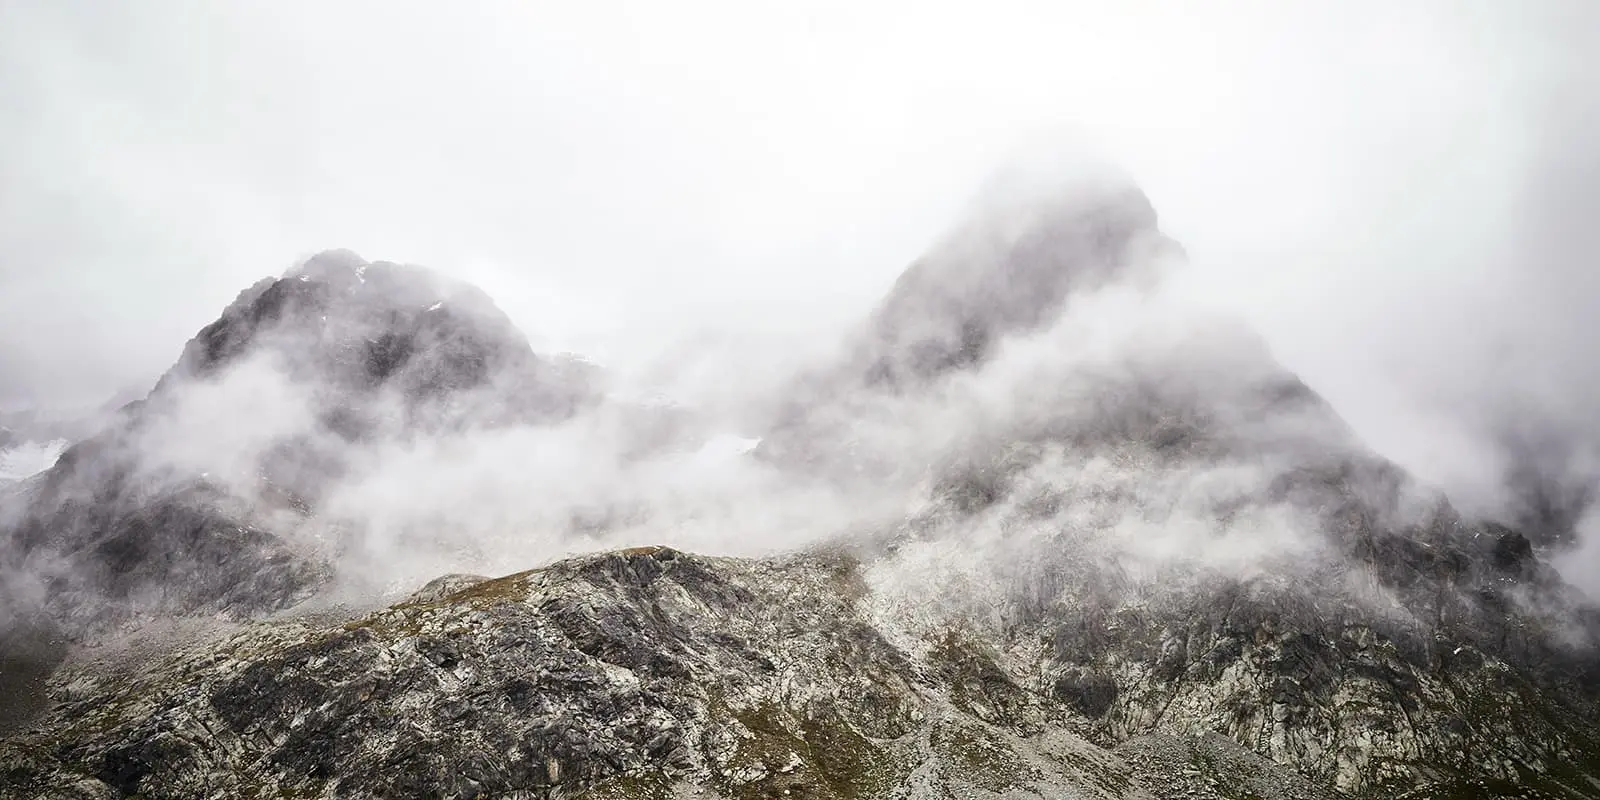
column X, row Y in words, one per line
column 1141, row 560
column 649, row 673
column 635, row 674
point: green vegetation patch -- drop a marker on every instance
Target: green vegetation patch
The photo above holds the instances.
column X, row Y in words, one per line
column 835, row 762
column 982, row 757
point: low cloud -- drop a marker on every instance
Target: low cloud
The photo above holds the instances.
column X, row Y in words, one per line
column 1394, row 203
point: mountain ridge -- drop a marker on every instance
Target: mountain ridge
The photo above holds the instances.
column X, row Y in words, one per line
column 1141, row 559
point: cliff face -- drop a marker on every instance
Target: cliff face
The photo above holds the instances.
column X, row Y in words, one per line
column 1141, row 560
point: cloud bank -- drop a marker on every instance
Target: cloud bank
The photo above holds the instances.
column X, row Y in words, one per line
column 1396, row 198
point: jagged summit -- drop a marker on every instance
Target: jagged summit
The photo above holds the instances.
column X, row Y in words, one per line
column 331, row 266
column 437, row 348
column 1006, row 272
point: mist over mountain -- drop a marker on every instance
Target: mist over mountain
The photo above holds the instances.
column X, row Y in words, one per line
column 201, row 495
column 1056, row 507
column 833, row 401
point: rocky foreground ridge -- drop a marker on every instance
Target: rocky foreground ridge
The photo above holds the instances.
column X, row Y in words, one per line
column 650, row 673
column 1150, row 565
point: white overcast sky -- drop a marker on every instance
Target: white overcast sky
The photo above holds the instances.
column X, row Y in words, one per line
column 1389, row 190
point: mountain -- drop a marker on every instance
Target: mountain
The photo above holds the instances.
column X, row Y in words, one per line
column 200, row 497
column 1005, row 273
column 1140, row 559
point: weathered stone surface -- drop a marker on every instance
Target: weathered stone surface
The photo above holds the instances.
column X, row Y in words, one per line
column 619, row 675
column 627, row 674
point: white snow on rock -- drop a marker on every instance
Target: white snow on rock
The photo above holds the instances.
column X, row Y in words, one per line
column 724, row 444
column 29, row 459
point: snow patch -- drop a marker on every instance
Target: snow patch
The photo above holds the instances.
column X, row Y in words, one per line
column 727, row 444
column 654, row 400
column 29, row 458
column 436, row 306
column 721, row 450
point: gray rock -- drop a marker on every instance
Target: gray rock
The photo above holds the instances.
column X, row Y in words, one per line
column 650, row 673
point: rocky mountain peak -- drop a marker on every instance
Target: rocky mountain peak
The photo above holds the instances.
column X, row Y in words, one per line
column 357, row 330
column 1004, row 274
column 187, row 501
column 1147, row 565
column 1008, row 271
column 339, row 267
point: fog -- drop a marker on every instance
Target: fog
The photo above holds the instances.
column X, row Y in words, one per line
column 1398, row 197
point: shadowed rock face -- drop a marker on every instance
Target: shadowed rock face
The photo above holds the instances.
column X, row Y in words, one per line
column 1003, row 277
column 436, row 349
column 1063, row 615
column 382, row 350
column 28, row 655
column 1552, row 481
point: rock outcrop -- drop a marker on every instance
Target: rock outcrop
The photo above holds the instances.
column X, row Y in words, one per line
column 638, row 674
column 650, row 673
